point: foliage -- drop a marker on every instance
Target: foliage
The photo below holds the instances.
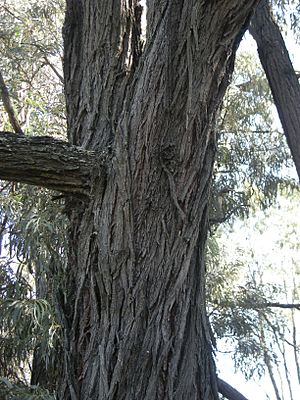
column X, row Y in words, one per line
column 30, row 61
column 12, row 391
column 31, row 273
column 286, row 14
column 32, row 239
column 30, row 214
column 253, row 161
column 248, row 281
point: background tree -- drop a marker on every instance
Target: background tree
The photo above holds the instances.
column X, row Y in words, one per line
column 282, row 78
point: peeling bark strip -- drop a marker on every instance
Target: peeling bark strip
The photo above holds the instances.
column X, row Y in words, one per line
column 281, row 75
column 46, row 162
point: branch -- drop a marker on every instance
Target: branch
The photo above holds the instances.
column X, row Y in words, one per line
column 261, row 305
column 283, row 305
column 47, row 162
column 60, row 77
column 228, row 391
column 8, row 106
column 257, row 306
column 47, row 61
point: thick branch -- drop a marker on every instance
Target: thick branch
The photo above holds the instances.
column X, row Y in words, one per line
column 280, row 73
column 228, row 391
column 8, row 106
column 47, row 162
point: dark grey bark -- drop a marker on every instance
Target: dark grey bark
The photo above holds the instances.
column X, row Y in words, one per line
column 135, row 321
column 281, row 75
column 49, row 162
column 228, row 391
column 134, row 317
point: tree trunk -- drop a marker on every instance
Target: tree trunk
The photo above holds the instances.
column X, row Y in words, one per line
column 134, row 318
column 136, row 325
column 281, row 76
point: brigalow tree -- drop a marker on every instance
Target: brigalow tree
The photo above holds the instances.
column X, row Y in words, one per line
column 136, row 175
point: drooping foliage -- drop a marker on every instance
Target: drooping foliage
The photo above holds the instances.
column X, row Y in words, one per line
column 32, row 264
column 32, row 233
column 253, row 160
column 253, row 288
column 30, row 62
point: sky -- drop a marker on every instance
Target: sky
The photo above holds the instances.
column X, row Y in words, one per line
column 255, row 388
column 272, row 238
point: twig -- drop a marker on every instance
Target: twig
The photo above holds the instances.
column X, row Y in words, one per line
column 60, row 77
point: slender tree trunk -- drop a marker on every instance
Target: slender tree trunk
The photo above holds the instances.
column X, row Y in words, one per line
column 268, row 362
column 280, row 73
column 135, row 320
column 282, row 350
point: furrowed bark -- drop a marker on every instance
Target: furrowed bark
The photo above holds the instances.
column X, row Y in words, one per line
column 281, row 75
column 47, row 162
column 134, row 315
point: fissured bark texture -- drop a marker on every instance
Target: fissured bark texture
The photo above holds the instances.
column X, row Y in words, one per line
column 134, row 315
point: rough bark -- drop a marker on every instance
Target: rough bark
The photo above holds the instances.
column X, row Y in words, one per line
column 280, row 73
column 134, row 316
column 47, row 162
